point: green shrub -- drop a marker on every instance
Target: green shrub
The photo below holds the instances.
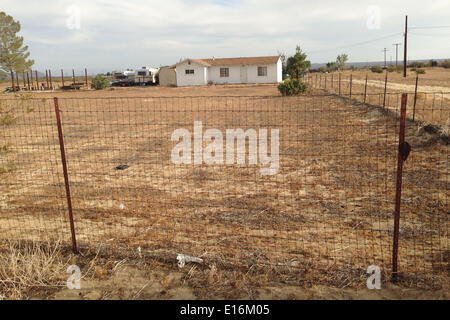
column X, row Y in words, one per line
column 420, row 71
column 432, row 63
column 99, row 82
column 445, row 64
column 397, row 68
column 416, row 65
column 376, row 69
column 292, row 87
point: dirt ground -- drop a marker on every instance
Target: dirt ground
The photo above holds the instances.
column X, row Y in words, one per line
column 433, row 77
column 136, row 277
column 157, row 91
column 429, row 105
column 322, row 219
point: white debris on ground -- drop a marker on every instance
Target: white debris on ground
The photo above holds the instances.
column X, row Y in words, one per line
column 183, row 259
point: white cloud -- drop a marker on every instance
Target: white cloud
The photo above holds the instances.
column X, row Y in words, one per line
column 131, row 33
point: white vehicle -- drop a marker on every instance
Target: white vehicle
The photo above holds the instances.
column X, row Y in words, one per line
column 126, row 74
column 123, row 78
column 145, row 76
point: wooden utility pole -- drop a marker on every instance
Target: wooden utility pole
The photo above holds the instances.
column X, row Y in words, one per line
column 396, row 52
column 384, row 56
column 406, row 47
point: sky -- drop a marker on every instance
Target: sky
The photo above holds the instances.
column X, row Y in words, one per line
column 106, row 35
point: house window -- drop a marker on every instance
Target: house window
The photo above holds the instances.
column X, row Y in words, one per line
column 262, row 71
column 189, row 71
column 224, row 72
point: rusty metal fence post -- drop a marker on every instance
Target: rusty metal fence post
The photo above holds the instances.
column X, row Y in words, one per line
column 339, row 84
column 415, row 97
column 31, row 79
column 351, row 80
column 66, row 175
column 37, row 80
column 86, row 76
column 28, row 82
column 385, row 86
column 46, row 79
column 365, row 90
column 50, row 78
column 403, row 152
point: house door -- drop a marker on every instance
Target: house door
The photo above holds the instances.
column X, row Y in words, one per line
column 243, row 74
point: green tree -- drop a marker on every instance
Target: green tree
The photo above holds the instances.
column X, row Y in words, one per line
column 332, row 66
column 341, row 61
column 99, row 82
column 13, row 54
column 297, row 63
column 291, row 87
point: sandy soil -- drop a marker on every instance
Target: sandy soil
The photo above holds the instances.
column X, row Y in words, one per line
column 137, row 277
column 324, row 217
column 430, row 105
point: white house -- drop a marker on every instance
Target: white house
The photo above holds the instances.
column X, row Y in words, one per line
column 197, row 72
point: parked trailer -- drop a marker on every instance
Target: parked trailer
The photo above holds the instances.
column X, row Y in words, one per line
column 123, row 78
column 146, row 76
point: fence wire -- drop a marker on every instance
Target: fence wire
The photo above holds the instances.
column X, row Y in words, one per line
column 327, row 213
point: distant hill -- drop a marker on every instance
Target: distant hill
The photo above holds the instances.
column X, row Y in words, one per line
column 373, row 63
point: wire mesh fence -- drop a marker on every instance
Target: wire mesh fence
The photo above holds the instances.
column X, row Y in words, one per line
column 325, row 212
column 425, row 103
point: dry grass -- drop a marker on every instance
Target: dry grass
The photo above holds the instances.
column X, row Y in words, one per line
column 324, row 217
column 429, row 107
column 38, row 271
column 27, row 267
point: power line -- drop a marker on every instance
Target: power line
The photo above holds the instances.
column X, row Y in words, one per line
column 430, row 27
column 356, row 43
column 431, row 34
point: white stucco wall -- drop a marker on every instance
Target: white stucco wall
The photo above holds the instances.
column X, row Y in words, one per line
column 204, row 74
column 199, row 77
column 273, row 74
column 279, row 71
column 234, row 74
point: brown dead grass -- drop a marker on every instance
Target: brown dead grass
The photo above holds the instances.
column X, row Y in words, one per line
column 431, row 103
column 25, row 267
column 324, row 217
column 38, row 271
